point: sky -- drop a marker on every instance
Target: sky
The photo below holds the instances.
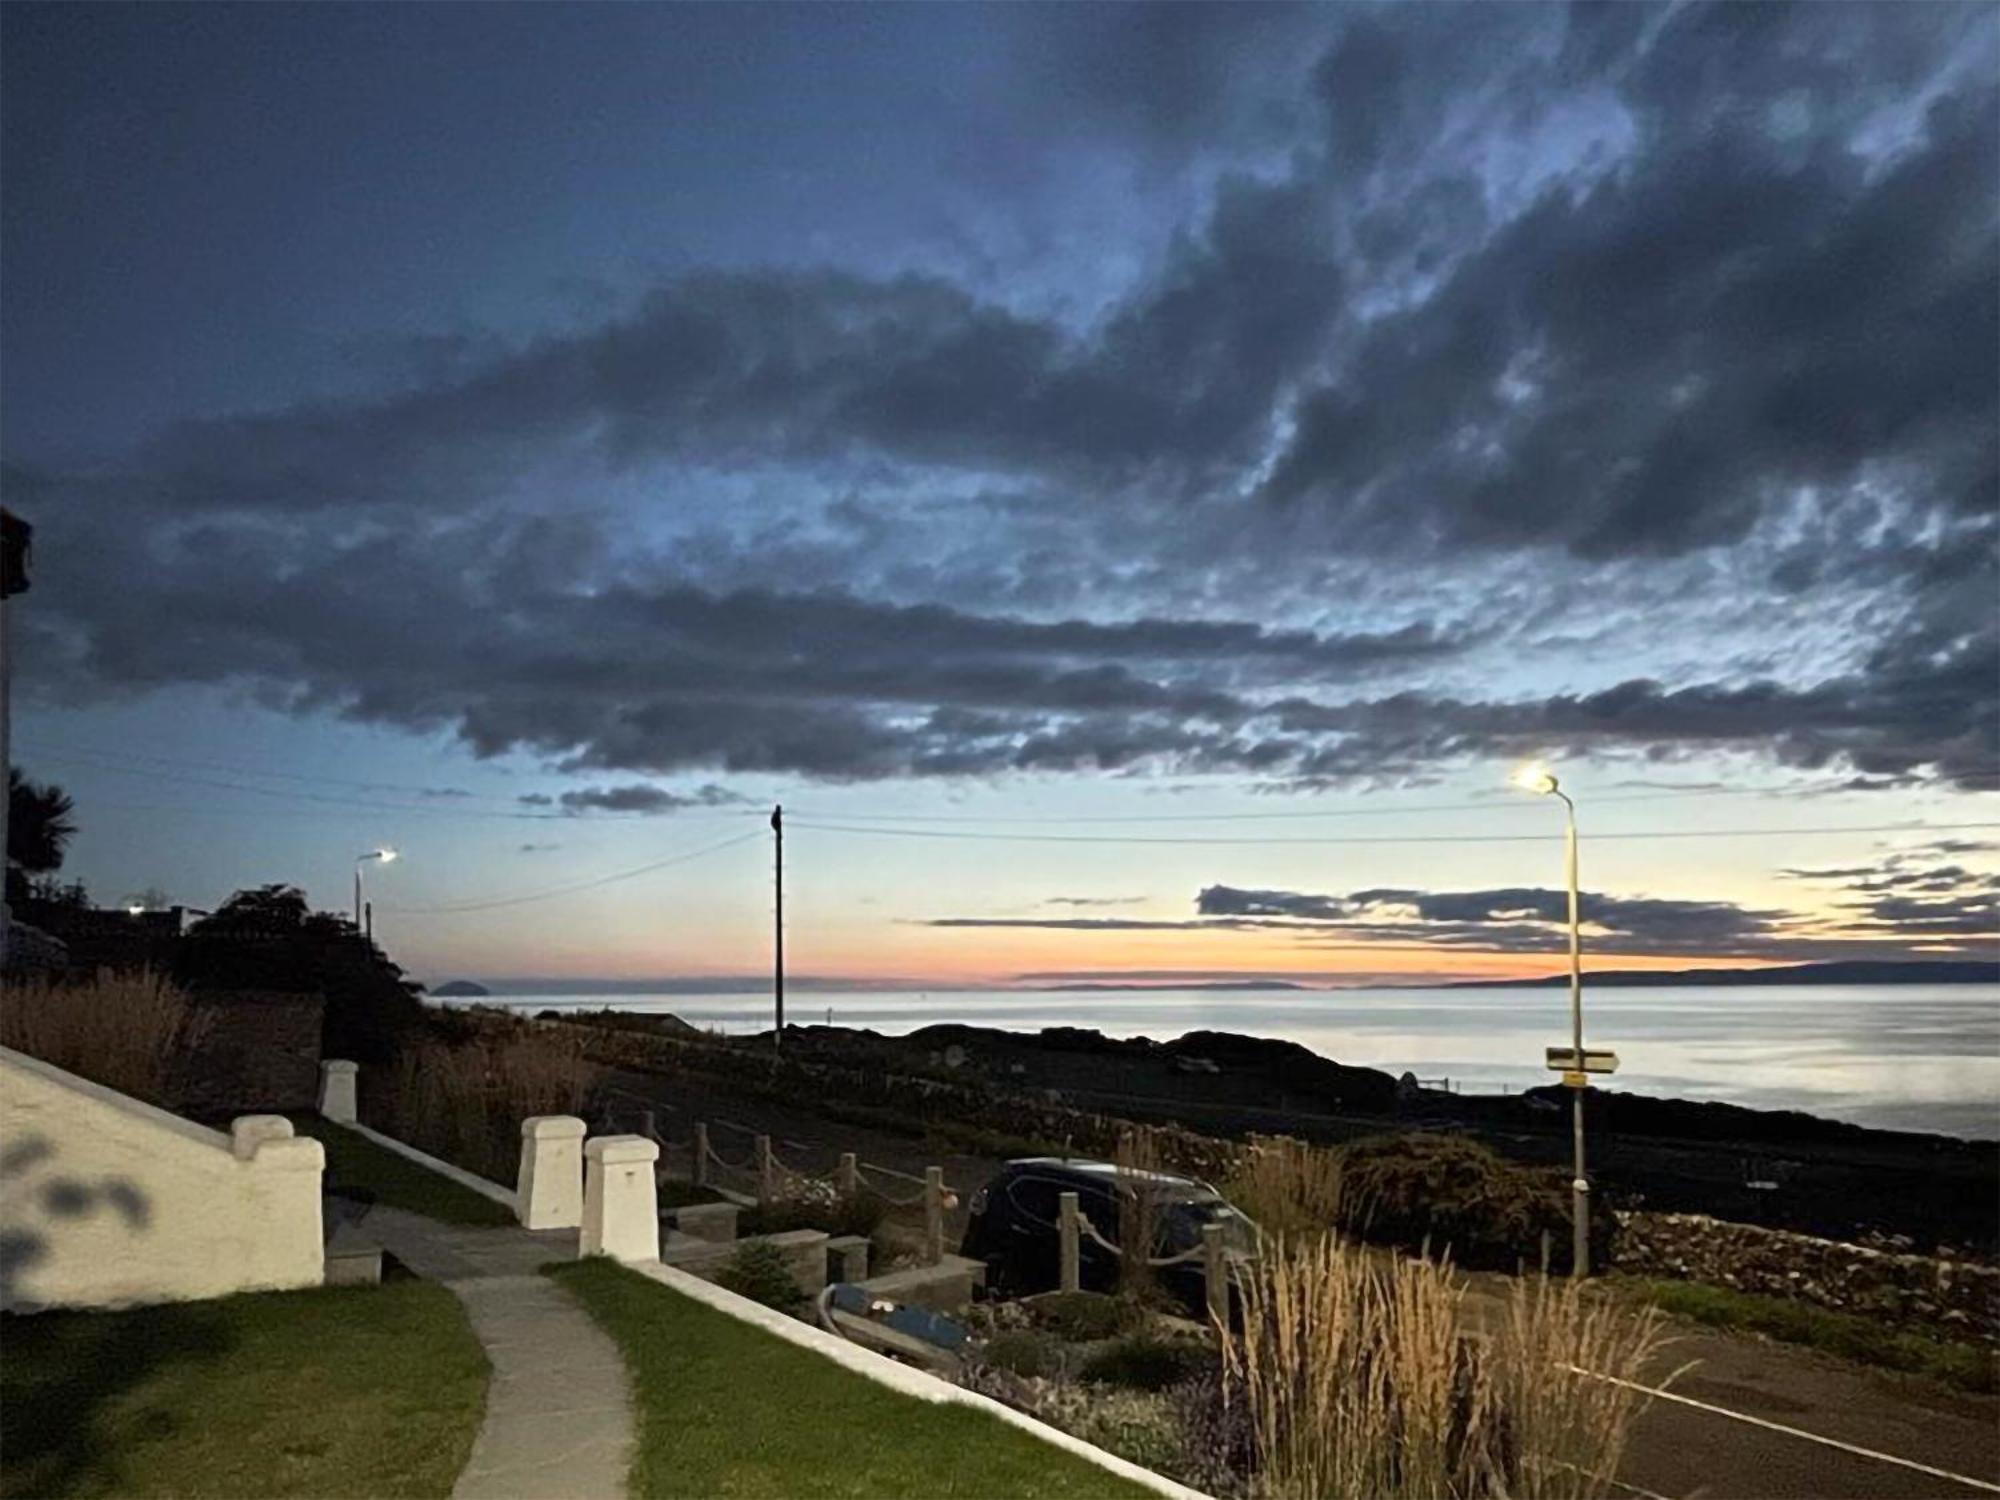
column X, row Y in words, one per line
column 1133, row 481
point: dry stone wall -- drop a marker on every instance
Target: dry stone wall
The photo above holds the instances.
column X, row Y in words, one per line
column 1957, row 1296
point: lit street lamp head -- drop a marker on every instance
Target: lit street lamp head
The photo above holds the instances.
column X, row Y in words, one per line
column 385, row 855
column 1537, row 778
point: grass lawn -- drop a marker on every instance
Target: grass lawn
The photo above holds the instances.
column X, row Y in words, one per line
column 372, row 1391
column 352, row 1160
column 1970, row 1367
column 727, row 1409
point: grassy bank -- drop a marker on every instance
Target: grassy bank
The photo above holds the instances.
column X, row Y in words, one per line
column 727, row 1409
column 1969, row 1367
column 354, row 1161
column 336, row 1391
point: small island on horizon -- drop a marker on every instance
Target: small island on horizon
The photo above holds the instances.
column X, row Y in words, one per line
column 457, row 989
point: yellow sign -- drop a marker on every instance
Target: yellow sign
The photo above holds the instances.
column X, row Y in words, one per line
column 1576, row 1080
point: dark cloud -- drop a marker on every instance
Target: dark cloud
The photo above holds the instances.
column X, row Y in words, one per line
column 1070, row 924
column 1918, row 704
column 1912, row 893
column 641, row 798
column 1527, row 918
column 1534, row 920
column 1647, row 366
column 1581, row 319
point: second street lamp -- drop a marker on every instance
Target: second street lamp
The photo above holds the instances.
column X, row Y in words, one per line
column 1539, row 779
column 385, row 855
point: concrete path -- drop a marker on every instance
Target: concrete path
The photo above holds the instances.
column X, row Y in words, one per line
column 558, row 1420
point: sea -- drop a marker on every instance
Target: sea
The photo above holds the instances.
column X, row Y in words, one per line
column 1899, row 1057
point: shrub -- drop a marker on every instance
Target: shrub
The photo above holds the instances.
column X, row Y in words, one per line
column 861, row 1214
column 271, row 939
column 1287, row 1186
column 1457, row 1197
column 1082, row 1317
column 125, row 1031
column 1144, row 1362
column 758, row 1271
column 1023, row 1351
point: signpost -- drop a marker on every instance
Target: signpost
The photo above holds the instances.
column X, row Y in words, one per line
column 1564, row 1060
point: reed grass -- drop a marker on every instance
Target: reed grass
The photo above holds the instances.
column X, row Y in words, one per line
column 127, row 1031
column 1568, row 1430
column 1141, row 1204
column 466, row 1103
column 1359, row 1378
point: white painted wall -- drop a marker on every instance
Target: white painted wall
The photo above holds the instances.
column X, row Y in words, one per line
column 107, row 1201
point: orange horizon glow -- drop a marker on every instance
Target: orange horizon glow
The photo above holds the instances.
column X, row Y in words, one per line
column 1356, row 963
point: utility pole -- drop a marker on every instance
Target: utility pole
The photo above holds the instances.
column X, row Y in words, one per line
column 1579, row 1200
column 778, row 922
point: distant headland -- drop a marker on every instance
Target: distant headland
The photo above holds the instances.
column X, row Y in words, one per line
column 1213, row 984
column 1851, row 971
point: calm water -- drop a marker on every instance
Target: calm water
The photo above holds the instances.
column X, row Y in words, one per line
column 1912, row 1057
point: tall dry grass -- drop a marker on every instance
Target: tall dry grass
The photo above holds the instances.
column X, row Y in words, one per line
column 1360, row 1379
column 466, row 1103
column 126, row 1031
column 1288, row 1187
column 1141, row 1204
column 1569, row 1431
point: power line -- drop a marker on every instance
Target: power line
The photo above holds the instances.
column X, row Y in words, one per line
column 320, row 779
column 1491, row 804
column 407, row 808
column 1442, row 838
column 567, row 890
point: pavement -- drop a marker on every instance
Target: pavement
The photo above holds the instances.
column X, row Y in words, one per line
column 1778, row 1422
column 558, row 1423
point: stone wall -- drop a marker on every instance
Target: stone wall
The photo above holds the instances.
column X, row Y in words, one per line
column 1956, row 1296
column 249, row 1052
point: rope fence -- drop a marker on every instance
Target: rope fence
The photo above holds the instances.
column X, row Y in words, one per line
column 772, row 1179
column 1073, row 1224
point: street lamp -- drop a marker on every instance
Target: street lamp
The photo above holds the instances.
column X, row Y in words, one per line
column 385, row 855
column 1539, row 779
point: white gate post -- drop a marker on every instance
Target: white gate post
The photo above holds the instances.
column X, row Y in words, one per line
column 549, row 1186
column 336, row 1091
column 621, row 1199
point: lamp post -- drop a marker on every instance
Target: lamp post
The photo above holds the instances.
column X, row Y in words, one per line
column 385, row 855
column 1538, row 779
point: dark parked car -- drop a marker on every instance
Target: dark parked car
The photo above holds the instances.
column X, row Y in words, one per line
column 1012, row 1227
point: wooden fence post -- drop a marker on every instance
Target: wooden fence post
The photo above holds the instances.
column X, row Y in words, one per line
column 767, row 1171
column 933, row 1215
column 1215, row 1275
column 848, row 1179
column 701, row 1153
column 1072, row 1247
